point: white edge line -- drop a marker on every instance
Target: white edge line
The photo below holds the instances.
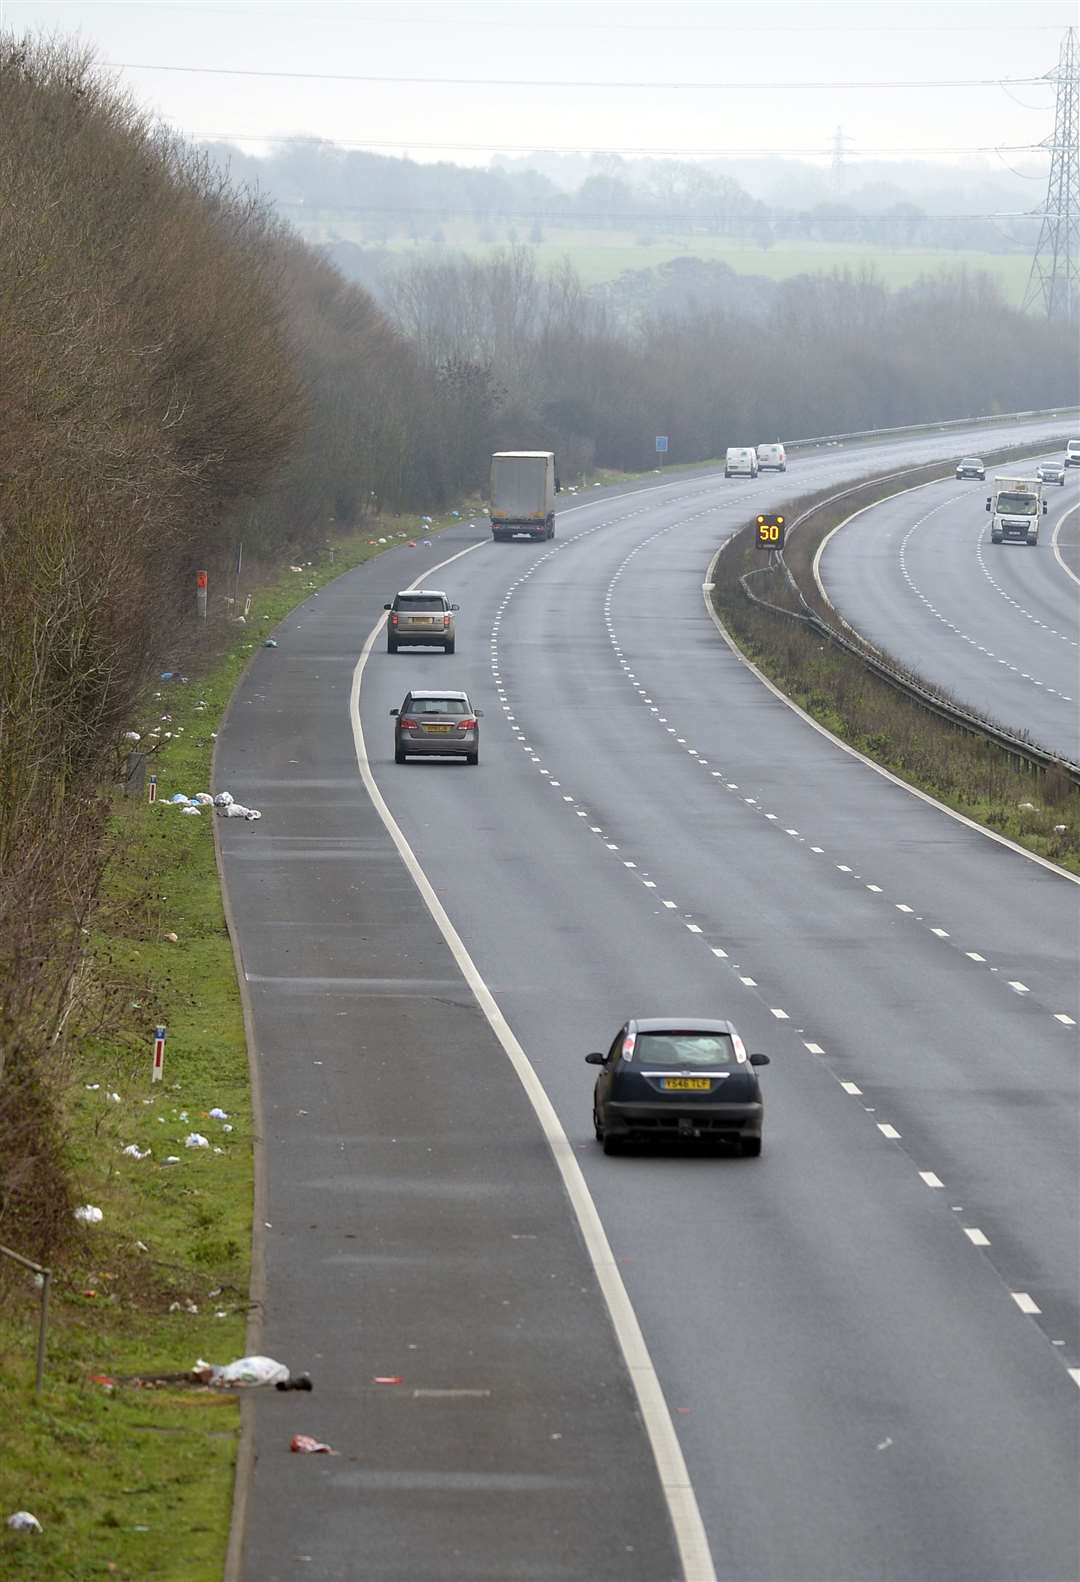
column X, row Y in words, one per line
column 912, row 488
column 671, row 1467
column 1058, row 525
column 853, row 752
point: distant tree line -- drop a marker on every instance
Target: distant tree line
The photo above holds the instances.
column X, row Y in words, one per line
column 387, row 197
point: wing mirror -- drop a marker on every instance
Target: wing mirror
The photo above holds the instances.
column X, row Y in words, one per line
column 479, row 713
column 388, row 606
column 1044, row 507
column 596, row 1059
column 760, row 1060
column 455, row 606
column 988, row 505
column 395, row 711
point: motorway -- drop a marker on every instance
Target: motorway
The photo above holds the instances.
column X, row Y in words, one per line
column 997, row 626
column 868, row 1340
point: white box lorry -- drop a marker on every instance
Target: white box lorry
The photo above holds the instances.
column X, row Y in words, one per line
column 524, row 484
column 1016, row 508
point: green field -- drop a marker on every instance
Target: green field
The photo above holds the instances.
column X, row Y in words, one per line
column 604, row 255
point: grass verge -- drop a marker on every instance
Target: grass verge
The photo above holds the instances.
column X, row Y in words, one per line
column 127, row 1482
column 1040, row 811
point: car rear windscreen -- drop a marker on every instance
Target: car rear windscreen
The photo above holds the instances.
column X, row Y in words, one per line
column 437, row 706
column 685, row 1049
column 424, row 603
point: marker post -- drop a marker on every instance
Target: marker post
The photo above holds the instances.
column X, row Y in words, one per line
column 158, row 1069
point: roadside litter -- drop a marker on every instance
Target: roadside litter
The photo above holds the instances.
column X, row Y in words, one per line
column 310, row 1447
column 87, row 1214
column 133, row 1151
column 248, row 1373
column 228, row 807
column 270, row 643
column 24, row 1522
column 196, row 1140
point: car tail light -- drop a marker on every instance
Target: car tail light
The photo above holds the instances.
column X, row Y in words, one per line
column 468, row 725
column 740, row 1048
column 446, row 620
column 393, row 617
column 628, row 1046
column 407, row 724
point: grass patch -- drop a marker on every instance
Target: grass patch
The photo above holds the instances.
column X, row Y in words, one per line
column 964, row 771
column 133, row 1483
column 603, row 255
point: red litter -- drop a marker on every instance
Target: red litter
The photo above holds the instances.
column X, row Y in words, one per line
column 388, row 1378
column 305, row 1445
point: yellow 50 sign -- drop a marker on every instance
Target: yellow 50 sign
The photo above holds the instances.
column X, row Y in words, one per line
column 770, row 532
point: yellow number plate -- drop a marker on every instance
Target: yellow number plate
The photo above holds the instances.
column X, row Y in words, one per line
column 684, row 1084
column 438, row 727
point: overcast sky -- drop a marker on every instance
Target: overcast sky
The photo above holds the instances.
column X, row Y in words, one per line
column 590, row 41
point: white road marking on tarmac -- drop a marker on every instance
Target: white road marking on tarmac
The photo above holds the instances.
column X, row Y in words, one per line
column 886, row 1130
column 1024, row 1302
column 976, row 1236
column 931, row 1179
column 689, row 1529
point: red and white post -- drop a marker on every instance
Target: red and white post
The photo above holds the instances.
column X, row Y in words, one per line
column 158, row 1068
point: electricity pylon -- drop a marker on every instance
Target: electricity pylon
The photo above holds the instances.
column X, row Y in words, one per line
column 1054, row 282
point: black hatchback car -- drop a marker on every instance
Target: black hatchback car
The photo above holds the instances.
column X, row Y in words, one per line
column 673, row 1078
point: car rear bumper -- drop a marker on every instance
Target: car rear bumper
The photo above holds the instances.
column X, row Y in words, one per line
column 429, row 637
column 438, row 746
column 673, row 1119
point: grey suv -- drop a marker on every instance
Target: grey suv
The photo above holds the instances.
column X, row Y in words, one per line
column 421, row 618
column 443, row 724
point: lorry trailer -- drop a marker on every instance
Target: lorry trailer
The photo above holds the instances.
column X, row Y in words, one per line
column 524, row 484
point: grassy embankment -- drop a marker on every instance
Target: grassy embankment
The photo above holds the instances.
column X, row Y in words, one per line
column 601, row 255
column 973, row 776
column 132, row 1483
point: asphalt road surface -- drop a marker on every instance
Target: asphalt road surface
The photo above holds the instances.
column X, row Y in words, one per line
column 864, row 1338
column 996, row 625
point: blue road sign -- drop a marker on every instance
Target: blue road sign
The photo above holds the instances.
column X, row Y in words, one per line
column 661, row 443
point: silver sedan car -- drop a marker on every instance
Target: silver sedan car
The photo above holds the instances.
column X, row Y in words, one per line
column 440, row 724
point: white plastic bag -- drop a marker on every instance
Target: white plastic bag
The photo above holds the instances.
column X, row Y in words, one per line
column 245, row 1373
column 23, row 1522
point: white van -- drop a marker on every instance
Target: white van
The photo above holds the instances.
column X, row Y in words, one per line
column 1072, row 453
column 741, row 462
column 772, row 456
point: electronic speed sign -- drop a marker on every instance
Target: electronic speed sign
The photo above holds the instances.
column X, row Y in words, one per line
column 770, row 532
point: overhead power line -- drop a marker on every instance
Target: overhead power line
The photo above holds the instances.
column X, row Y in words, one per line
column 806, row 150
column 539, row 82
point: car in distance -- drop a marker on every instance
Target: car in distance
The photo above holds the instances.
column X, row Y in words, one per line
column 440, row 724
column 1051, row 472
column 1072, row 453
column 771, row 457
column 970, row 467
column 420, row 618
column 678, row 1077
